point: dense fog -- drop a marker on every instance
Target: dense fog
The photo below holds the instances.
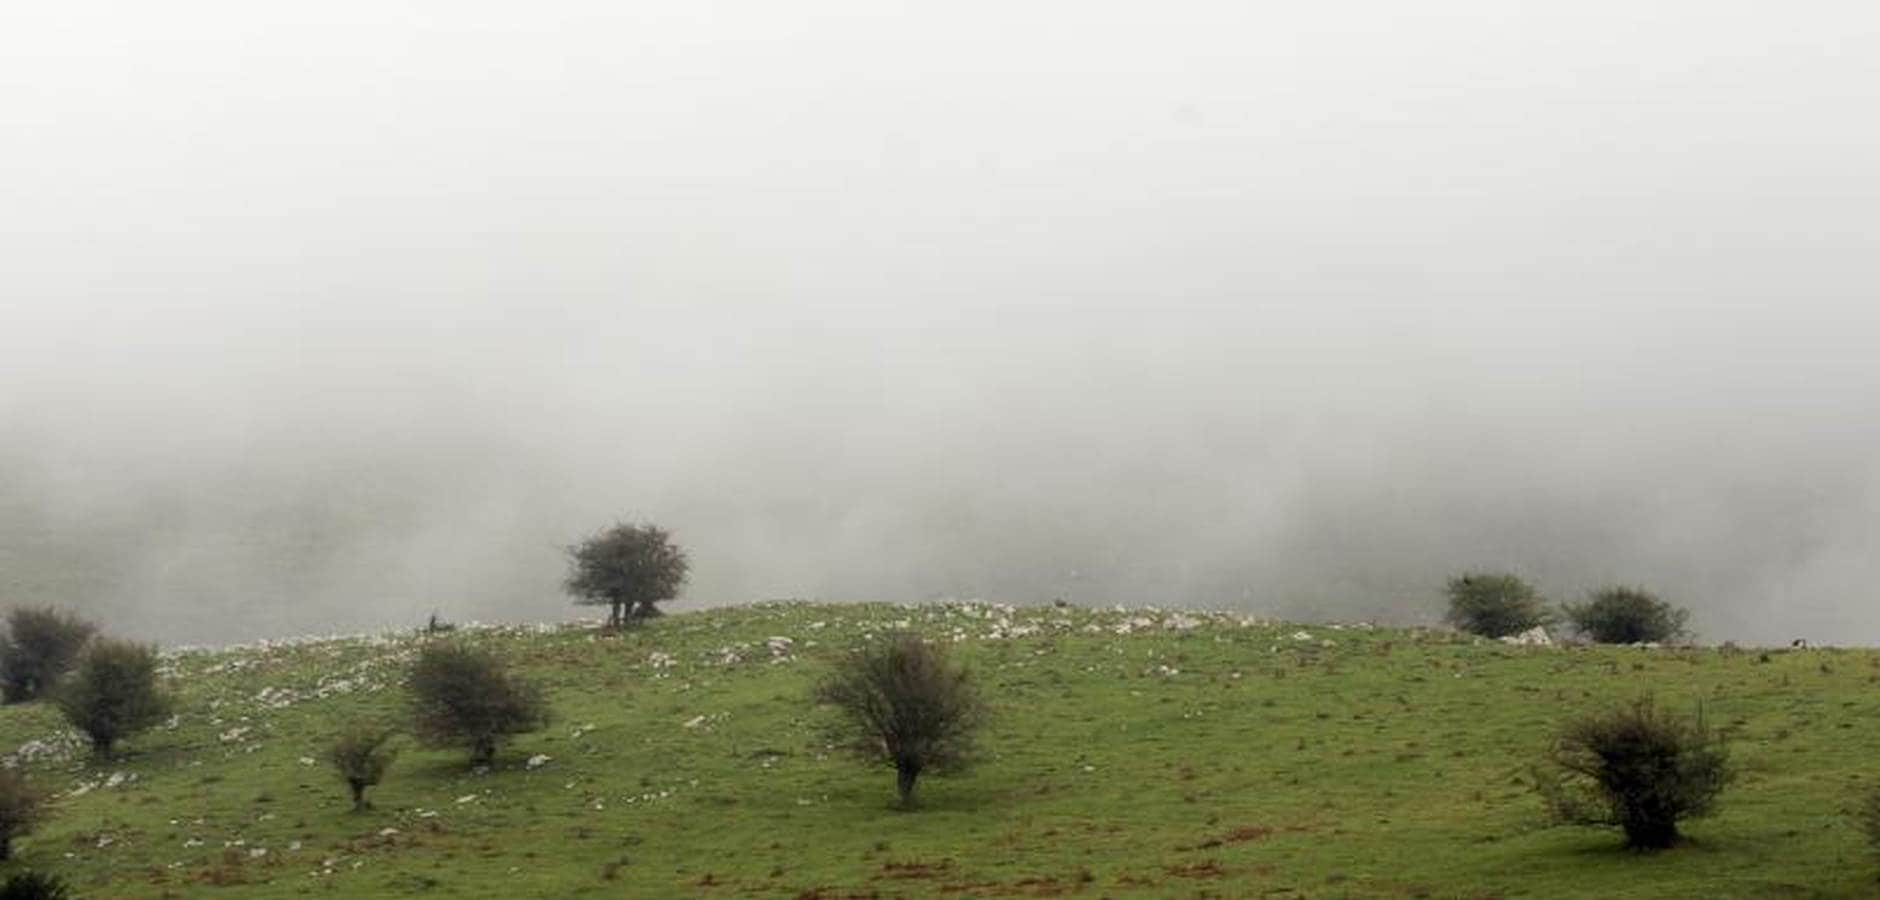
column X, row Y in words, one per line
column 325, row 319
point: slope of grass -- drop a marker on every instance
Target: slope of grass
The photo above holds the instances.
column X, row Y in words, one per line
column 1133, row 753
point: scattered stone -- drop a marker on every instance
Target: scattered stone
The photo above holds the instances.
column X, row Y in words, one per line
column 1533, row 637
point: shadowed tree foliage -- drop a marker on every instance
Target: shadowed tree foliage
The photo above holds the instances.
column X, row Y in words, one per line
column 31, row 885
column 1625, row 615
column 1636, row 768
column 39, row 646
column 628, row 568
column 903, row 703
column 113, row 693
column 466, row 696
column 20, row 807
column 1494, row 604
column 360, row 754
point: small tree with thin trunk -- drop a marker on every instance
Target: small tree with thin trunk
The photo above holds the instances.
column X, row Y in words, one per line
column 360, row 754
column 627, row 568
column 20, row 808
column 464, row 695
column 1635, row 768
column 113, row 693
column 902, row 702
column 39, row 646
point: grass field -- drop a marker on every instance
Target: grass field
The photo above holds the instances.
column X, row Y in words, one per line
column 1132, row 753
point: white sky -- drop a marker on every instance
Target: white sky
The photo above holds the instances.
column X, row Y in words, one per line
column 1295, row 307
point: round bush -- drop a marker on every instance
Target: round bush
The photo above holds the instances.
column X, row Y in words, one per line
column 1625, row 615
column 1494, row 604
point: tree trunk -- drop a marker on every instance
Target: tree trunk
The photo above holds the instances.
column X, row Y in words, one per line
column 905, row 771
column 6, row 846
column 1655, row 835
column 613, row 614
column 101, row 745
column 359, row 794
column 483, row 751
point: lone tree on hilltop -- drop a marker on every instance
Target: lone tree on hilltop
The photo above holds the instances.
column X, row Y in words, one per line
column 465, row 695
column 39, row 646
column 903, row 703
column 629, row 568
column 113, row 693
column 1494, row 604
column 31, row 885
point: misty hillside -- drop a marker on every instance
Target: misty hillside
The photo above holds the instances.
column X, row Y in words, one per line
column 1132, row 752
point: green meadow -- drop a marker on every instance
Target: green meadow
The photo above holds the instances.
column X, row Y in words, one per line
column 1131, row 753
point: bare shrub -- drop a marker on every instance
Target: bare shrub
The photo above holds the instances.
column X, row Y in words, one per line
column 903, row 703
column 32, row 885
column 1868, row 817
column 39, row 647
column 113, row 693
column 20, row 807
column 464, row 695
column 1636, row 768
column 361, row 755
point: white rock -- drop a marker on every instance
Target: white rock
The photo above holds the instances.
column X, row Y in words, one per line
column 537, row 761
column 1533, row 637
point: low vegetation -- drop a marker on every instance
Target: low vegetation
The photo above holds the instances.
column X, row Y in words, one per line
column 20, row 808
column 1136, row 752
column 1627, row 615
column 361, row 755
column 465, row 696
column 1494, row 604
column 38, row 648
column 113, row 694
column 1867, row 816
column 1636, row 768
column 904, row 704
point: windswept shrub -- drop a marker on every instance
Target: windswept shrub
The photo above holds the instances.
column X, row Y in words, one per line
column 113, row 693
column 903, row 703
column 39, row 646
column 464, row 695
column 31, row 885
column 1635, row 768
column 20, row 807
column 1625, row 615
column 627, row 568
column 360, row 754
column 1494, row 604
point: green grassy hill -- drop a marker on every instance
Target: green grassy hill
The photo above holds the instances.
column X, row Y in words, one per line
column 1132, row 753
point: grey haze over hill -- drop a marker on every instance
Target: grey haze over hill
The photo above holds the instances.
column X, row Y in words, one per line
column 323, row 319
